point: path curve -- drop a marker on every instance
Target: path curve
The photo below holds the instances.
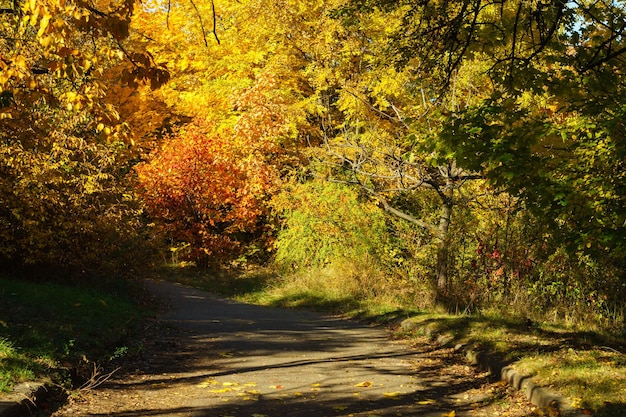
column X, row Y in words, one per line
column 223, row 358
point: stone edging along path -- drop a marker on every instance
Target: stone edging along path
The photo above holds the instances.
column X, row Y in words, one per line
column 23, row 400
column 552, row 404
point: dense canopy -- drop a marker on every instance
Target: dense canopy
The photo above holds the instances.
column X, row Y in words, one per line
column 484, row 140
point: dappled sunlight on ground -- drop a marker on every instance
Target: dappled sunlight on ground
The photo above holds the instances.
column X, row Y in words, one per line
column 211, row 357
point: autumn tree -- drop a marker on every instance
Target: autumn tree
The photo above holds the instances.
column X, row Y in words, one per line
column 207, row 191
column 241, row 84
column 547, row 125
column 64, row 148
column 375, row 121
column 551, row 129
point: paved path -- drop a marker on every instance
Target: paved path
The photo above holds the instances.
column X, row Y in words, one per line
column 221, row 358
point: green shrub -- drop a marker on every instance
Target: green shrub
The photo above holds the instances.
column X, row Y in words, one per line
column 327, row 222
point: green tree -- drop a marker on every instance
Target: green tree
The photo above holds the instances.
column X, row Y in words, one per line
column 552, row 127
column 377, row 124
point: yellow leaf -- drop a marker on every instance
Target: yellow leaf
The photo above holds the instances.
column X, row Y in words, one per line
column 34, row 13
column 207, row 382
column 391, row 394
column 426, row 402
column 43, row 24
column 184, row 63
column 450, row 414
column 20, row 62
column 230, row 384
column 577, row 402
column 364, row 384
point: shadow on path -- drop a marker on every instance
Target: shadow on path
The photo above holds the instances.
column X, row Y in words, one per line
column 216, row 357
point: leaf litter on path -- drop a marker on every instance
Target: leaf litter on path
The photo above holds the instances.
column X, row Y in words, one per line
column 324, row 373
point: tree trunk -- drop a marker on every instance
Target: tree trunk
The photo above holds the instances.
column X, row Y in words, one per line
column 442, row 247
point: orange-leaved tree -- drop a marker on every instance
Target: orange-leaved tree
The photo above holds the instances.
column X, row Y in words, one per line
column 207, row 189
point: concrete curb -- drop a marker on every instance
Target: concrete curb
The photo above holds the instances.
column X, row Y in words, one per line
column 23, row 400
column 553, row 405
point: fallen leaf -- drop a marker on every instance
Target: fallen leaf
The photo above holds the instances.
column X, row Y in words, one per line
column 577, row 402
column 230, row 384
column 450, row 414
column 340, row 408
column 276, row 386
column 426, row 402
column 207, row 382
column 391, row 394
column 225, row 354
column 364, row 384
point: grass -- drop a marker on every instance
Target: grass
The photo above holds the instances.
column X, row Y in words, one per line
column 14, row 367
column 49, row 331
column 586, row 367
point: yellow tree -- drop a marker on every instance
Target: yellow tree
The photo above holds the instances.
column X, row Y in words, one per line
column 64, row 147
column 240, row 84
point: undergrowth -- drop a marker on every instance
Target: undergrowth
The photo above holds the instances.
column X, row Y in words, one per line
column 56, row 333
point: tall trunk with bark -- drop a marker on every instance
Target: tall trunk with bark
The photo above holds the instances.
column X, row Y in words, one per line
column 447, row 196
column 442, row 249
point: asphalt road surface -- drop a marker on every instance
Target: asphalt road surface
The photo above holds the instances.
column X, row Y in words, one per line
column 219, row 358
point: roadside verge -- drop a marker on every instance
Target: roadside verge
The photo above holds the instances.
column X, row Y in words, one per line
column 551, row 403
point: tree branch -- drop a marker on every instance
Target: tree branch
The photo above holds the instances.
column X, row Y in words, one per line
column 431, row 228
column 214, row 22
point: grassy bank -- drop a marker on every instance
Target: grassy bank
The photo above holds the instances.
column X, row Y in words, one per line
column 60, row 333
column 588, row 368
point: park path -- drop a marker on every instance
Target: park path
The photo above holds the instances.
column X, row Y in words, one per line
column 220, row 358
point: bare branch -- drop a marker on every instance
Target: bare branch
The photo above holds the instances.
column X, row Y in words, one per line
column 204, row 33
column 214, row 22
column 206, row 43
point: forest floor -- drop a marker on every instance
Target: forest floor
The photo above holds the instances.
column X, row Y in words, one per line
column 207, row 356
